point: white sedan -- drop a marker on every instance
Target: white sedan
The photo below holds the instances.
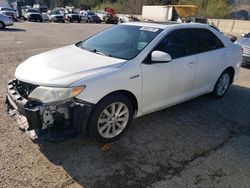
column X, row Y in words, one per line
column 97, row 86
column 5, row 21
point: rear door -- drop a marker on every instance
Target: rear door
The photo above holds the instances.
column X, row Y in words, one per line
column 211, row 60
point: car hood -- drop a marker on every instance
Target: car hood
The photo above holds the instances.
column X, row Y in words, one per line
column 63, row 66
column 243, row 41
column 56, row 15
column 8, row 11
column 34, row 13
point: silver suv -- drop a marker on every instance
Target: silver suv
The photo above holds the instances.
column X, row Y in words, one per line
column 5, row 21
column 244, row 42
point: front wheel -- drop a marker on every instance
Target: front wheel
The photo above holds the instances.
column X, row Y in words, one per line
column 2, row 26
column 110, row 118
column 222, row 85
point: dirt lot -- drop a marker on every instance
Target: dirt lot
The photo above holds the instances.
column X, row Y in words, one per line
column 201, row 143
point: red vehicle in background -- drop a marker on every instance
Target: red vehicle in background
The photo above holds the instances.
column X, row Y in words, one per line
column 110, row 16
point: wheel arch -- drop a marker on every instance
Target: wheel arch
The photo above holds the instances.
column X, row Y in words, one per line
column 128, row 94
column 3, row 23
column 232, row 72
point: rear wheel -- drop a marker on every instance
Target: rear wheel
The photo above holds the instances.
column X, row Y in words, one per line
column 110, row 118
column 222, row 85
column 2, row 25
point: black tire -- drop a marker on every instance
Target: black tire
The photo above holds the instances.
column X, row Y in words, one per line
column 2, row 25
column 216, row 94
column 99, row 108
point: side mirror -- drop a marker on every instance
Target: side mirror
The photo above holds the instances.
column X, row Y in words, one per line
column 243, row 35
column 160, row 57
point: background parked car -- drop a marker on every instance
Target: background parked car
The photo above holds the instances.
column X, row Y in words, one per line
column 244, row 41
column 5, row 21
column 73, row 17
column 45, row 17
column 44, row 11
column 32, row 14
column 56, row 16
column 8, row 12
column 110, row 16
column 127, row 18
column 90, row 17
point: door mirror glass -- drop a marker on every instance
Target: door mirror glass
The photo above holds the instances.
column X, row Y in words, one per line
column 159, row 56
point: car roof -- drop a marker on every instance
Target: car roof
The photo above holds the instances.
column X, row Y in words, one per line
column 167, row 24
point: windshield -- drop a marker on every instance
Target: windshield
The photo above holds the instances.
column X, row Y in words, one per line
column 33, row 10
column 43, row 9
column 7, row 9
column 56, row 12
column 121, row 41
column 90, row 13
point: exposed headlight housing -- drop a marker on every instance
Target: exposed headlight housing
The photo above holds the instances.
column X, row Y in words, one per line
column 52, row 94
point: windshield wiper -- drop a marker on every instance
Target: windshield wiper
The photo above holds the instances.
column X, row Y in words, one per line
column 101, row 53
column 94, row 50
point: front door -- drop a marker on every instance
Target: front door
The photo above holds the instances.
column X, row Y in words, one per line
column 168, row 83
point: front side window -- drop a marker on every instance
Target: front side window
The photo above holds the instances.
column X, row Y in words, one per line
column 121, row 41
column 176, row 44
column 206, row 40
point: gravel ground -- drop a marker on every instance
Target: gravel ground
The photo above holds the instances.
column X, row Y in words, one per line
column 200, row 143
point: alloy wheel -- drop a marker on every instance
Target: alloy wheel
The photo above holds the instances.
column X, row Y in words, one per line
column 113, row 120
column 223, row 84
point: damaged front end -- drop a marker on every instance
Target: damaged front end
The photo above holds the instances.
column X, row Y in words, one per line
column 48, row 121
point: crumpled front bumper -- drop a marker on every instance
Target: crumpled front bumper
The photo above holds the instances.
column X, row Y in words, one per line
column 28, row 116
column 21, row 107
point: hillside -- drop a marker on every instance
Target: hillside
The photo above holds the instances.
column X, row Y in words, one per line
column 240, row 10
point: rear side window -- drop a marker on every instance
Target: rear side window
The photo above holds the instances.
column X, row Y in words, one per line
column 176, row 44
column 206, row 40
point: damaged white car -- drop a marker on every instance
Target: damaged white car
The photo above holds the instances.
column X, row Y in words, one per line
column 97, row 86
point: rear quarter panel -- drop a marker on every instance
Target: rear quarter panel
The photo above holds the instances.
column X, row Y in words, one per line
column 235, row 58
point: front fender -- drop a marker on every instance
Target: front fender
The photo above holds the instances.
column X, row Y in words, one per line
column 123, row 78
